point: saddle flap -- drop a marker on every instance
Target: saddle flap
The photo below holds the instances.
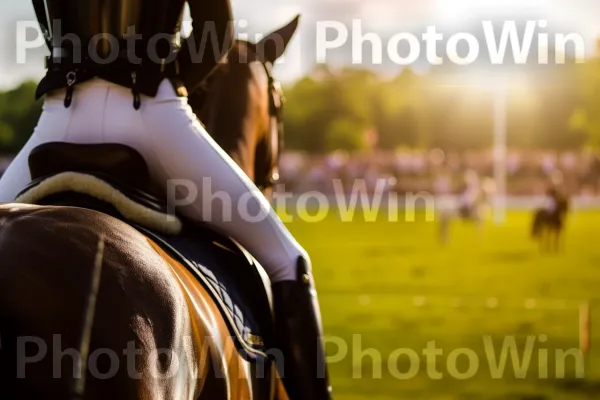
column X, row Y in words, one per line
column 235, row 282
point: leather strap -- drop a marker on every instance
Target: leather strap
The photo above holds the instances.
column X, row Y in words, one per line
column 40, row 8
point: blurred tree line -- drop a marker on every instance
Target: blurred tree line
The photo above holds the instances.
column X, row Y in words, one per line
column 551, row 107
column 556, row 107
column 19, row 113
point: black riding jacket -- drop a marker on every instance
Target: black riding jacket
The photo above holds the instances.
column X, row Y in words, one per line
column 133, row 43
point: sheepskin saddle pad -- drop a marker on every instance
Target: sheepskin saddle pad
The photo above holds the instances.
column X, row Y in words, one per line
column 113, row 173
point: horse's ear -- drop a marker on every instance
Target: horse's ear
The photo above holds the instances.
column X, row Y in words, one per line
column 272, row 46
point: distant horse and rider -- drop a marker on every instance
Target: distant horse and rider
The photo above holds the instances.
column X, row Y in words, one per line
column 474, row 200
column 471, row 204
column 163, row 283
column 549, row 220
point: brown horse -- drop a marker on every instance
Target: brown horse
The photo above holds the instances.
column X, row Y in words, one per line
column 94, row 306
column 548, row 226
column 237, row 111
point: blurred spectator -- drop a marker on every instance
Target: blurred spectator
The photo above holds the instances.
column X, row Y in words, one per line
column 441, row 172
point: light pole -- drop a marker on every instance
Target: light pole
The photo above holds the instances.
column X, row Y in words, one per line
column 498, row 89
column 500, row 128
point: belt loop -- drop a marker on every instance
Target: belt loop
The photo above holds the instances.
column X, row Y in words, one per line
column 71, row 80
column 136, row 95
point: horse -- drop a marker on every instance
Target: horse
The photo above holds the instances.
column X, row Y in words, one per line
column 105, row 293
column 244, row 73
column 548, row 225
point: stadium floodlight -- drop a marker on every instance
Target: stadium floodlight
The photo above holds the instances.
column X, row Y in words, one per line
column 500, row 127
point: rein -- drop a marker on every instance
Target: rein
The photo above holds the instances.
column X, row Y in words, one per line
column 79, row 383
column 276, row 138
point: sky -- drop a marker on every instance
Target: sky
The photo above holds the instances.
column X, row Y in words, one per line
column 383, row 16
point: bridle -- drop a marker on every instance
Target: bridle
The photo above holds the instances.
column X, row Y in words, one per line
column 275, row 135
column 275, row 139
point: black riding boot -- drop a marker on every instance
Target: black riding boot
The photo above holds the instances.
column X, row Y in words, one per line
column 298, row 336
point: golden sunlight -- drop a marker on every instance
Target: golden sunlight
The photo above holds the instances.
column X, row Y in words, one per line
column 475, row 83
column 458, row 10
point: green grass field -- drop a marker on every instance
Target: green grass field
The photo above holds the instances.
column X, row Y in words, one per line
column 388, row 289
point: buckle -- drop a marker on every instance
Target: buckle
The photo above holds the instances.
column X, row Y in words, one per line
column 173, row 65
column 59, row 52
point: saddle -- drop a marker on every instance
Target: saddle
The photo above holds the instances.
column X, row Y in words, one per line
column 114, row 179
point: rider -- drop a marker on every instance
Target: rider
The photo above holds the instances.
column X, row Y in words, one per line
column 550, row 204
column 469, row 192
column 117, row 73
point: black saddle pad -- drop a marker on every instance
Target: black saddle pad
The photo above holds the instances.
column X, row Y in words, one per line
column 232, row 279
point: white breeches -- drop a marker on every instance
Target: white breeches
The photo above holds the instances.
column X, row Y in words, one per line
column 195, row 173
